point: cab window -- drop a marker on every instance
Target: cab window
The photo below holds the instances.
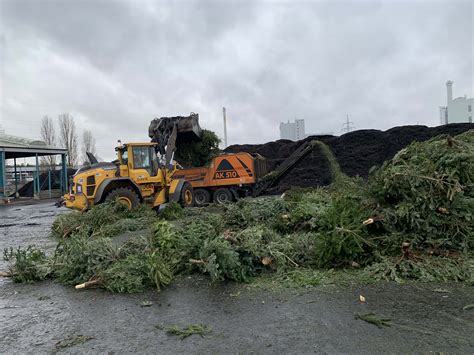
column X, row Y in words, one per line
column 141, row 158
column 124, row 155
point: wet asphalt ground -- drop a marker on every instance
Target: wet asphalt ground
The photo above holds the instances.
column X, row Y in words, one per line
column 425, row 318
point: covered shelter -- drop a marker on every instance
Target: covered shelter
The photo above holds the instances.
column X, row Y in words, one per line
column 13, row 147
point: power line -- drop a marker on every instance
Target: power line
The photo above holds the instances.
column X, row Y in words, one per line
column 348, row 125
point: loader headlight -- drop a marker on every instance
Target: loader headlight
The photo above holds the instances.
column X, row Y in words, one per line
column 79, row 189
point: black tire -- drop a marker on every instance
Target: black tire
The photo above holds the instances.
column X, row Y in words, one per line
column 201, row 197
column 124, row 195
column 186, row 195
column 222, row 195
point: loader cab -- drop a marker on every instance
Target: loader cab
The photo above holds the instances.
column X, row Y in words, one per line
column 139, row 160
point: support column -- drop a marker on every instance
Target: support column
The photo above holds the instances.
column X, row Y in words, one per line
column 3, row 178
column 49, row 182
column 64, row 181
column 16, row 177
column 38, row 187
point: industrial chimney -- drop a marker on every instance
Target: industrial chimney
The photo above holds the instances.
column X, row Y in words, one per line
column 225, row 126
column 449, row 87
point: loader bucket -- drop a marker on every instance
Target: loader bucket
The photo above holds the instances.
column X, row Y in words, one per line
column 188, row 129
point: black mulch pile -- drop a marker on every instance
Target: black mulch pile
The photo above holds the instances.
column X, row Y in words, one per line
column 27, row 190
column 357, row 152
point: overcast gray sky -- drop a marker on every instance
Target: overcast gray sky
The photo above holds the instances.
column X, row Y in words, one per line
column 114, row 65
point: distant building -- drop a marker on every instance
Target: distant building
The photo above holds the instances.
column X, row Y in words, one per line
column 458, row 110
column 293, row 131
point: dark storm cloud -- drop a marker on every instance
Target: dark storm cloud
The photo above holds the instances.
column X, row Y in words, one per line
column 115, row 65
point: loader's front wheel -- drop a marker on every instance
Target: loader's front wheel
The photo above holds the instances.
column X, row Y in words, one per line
column 125, row 196
column 186, row 197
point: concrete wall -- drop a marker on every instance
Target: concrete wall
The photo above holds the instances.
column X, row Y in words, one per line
column 461, row 110
column 443, row 115
column 299, row 130
column 287, row 131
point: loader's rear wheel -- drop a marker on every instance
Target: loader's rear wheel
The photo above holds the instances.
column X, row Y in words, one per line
column 222, row 196
column 125, row 196
column 201, row 197
column 186, row 197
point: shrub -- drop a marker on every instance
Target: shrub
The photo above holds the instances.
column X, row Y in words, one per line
column 26, row 265
column 136, row 273
column 80, row 258
column 428, row 188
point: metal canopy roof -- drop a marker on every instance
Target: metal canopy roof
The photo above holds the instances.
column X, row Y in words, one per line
column 18, row 147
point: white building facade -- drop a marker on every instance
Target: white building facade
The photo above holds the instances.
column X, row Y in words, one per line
column 460, row 109
column 293, row 131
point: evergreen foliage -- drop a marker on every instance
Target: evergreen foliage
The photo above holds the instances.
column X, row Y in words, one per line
column 413, row 219
column 79, row 258
column 26, row 265
column 428, row 190
column 194, row 154
column 106, row 219
column 172, row 211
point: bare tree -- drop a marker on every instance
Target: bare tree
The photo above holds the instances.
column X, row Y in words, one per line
column 68, row 137
column 88, row 145
column 48, row 135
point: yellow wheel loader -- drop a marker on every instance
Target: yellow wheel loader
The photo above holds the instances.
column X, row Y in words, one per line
column 142, row 173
